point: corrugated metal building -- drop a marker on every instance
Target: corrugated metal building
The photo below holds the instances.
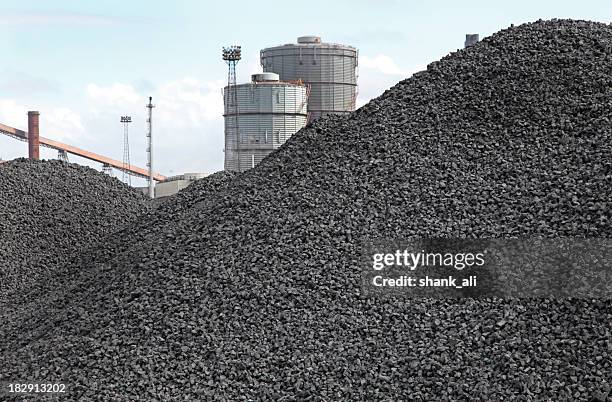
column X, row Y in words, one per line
column 329, row 69
column 269, row 112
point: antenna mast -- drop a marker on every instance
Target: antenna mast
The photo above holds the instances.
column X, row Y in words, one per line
column 150, row 106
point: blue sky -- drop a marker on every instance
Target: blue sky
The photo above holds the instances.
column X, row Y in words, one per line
column 85, row 63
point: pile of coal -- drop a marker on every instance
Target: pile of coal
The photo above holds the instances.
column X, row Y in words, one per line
column 251, row 289
column 50, row 212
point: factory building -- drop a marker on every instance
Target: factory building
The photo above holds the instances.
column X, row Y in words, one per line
column 260, row 116
column 330, row 70
column 174, row 184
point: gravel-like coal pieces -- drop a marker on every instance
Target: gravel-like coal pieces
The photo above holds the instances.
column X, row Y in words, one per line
column 51, row 211
column 248, row 287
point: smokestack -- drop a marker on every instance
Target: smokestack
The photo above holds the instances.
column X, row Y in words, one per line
column 471, row 39
column 33, row 135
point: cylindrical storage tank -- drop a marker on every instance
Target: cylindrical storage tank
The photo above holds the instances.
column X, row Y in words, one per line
column 267, row 113
column 330, row 70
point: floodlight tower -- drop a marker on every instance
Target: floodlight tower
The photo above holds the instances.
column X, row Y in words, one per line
column 231, row 55
column 127, row 178
column 150, row 106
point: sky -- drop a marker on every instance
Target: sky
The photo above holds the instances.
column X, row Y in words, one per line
column 85, row 63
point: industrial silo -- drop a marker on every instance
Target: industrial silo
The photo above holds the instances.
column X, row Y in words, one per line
column 329, row 69
column 266, row 113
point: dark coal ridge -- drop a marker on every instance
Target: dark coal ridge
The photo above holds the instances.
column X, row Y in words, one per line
column 254, row 291
column 50, row 212
column 60, row 283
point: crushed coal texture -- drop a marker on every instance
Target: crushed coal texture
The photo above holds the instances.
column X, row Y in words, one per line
column 248, row 287
column 51, row 211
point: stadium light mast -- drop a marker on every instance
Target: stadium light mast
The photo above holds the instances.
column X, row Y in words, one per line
column 231, row 55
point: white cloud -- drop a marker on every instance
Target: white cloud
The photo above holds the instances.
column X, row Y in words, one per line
column 58, row 123
column 12, row 113
column 114, row 95
column 186, row 101
column 63, row 124
column 379, row 73
column 189, row 102
column 381, row 63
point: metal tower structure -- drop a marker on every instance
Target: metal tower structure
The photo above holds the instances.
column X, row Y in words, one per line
column 231, row 55
column 62, row 155
column 108, row 169
column 150, row 106
column 127, row 178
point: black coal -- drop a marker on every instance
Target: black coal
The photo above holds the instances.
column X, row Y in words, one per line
column 49, row 212
column 249, row 287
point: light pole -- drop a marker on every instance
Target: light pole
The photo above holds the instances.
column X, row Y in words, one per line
column 150, row 106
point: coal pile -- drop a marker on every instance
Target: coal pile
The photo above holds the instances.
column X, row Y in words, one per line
column 251, row 289
column 50, row 212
